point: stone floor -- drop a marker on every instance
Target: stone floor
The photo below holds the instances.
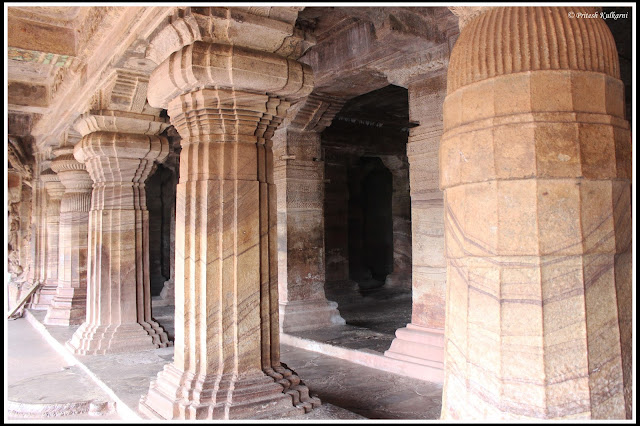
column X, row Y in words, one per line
column 109, row 386
column 40, row 383
column 369, row 392
column 373, row 314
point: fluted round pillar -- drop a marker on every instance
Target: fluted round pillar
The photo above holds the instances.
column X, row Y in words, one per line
column 118, row 314
column 535, row 164
column 69, row 304
column 226, row 360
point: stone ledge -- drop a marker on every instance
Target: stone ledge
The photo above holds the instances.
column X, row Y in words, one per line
column 367, row 358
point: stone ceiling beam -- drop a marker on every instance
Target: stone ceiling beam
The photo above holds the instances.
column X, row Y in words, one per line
column 122, row 27
column 41, row 37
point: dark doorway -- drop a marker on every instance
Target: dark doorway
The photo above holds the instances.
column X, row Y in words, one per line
column 160, row 189
column 370, row 223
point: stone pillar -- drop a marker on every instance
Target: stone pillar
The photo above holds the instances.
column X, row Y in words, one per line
column 167, row 294
column 55, row 190
column 227, row 350
column 401, row 212
column 69, row 304
column 36, row 259
column 299, row 177
column 118, row 150
column 535, row 167
column 422, row 341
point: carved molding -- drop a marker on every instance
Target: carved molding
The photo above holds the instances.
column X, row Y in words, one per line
column 261, row 28
column 583, row 44
column 223, row 66
column 314, row 113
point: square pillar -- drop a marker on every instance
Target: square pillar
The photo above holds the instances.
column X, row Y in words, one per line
column 119, row 303
column 227, row 349
column 422, row 341
column 299, row 176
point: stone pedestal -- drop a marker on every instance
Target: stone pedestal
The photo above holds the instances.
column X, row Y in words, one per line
column 227, row 355
column 422, row 341
column 54, row 190
column 536, row 167
column 69, row 304
column 119, row 302
column 299, row 176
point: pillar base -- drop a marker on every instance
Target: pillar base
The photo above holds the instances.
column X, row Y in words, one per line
column 99, row 339
column 44, row 297
column 419, row 345
column 167, row 294
column 398, row 281
column 182, row 395
column 69, row 307
column 308, row 315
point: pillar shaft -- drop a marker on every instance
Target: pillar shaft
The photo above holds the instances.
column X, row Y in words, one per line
column 227, row 349
column 299, row 176
column 69, row 304
column 535, row 167
column 167, row 294
column 118, row 304
column 400, row 208
column 51, row 225
column 422, row 341
column 38, row 235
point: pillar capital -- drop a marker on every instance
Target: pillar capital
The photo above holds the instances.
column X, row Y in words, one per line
column 114, row 121
column 73, row 174
column 118, row 145
column 540, row 38
column 466, row 13
column 253, row 116
column 200, row 65
column 52, row 184
column 268, row 29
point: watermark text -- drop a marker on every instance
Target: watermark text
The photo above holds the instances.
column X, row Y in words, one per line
column 602, row 15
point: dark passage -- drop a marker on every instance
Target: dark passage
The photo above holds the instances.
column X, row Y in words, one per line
column 370, row 223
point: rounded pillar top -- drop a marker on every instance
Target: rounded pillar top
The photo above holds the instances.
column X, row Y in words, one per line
column 72, row 173
column 120, row 122
column 208, row 65
column 118, row 145
column 51, row 180
column 509, row 40
column 120, row 157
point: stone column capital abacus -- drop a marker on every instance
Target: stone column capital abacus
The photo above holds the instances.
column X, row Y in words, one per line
column 52, row 184
column 73, row 174
column 205, row 65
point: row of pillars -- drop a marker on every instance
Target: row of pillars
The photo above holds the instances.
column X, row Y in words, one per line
column 533, row 156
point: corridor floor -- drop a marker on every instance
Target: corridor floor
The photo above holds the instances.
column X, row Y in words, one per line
column 35, row 353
